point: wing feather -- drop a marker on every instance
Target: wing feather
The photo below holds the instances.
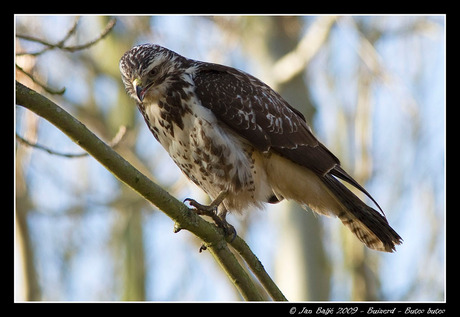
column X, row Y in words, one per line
column 261, row 116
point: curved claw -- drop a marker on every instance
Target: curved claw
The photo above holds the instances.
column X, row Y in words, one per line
column 211, row 211
column 201, row 209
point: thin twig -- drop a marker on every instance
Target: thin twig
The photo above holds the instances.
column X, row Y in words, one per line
column 113, row 143
column 47, row 44
column 47, row 88
column 61, row 44
column 71, row 31
column 103, row 34
column 46, row 149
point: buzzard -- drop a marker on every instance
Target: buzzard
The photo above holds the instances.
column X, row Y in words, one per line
column 242, row 143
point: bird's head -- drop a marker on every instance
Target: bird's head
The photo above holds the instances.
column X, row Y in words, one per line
column 146, row 70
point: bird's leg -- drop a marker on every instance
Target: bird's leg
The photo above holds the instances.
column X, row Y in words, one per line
column 211, row 211
column 228, row 228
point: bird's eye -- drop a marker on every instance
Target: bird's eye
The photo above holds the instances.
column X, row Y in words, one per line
column 153, row 71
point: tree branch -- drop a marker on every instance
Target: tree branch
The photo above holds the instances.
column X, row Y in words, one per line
column 183, row 217
column 258, row 269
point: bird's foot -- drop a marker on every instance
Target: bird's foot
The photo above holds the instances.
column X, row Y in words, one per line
column 207, row 210
column 211, row 211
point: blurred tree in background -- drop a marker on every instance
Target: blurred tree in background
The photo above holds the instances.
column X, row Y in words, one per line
column 373, row 89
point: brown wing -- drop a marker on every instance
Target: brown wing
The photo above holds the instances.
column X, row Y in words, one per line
column 260, row 115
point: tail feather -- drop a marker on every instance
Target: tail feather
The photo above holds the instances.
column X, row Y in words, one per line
column 369, row 226
column 326, row 195
column 340, row 173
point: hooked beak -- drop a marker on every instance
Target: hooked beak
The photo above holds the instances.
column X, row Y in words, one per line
column 140, row 90
column 140, row 93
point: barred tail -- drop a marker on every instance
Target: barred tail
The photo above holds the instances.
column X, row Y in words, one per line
column 369, row 226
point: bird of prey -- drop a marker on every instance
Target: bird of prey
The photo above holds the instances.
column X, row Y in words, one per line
column 242, row 143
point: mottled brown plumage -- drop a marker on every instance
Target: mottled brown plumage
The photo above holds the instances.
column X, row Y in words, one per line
column 242, row 143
